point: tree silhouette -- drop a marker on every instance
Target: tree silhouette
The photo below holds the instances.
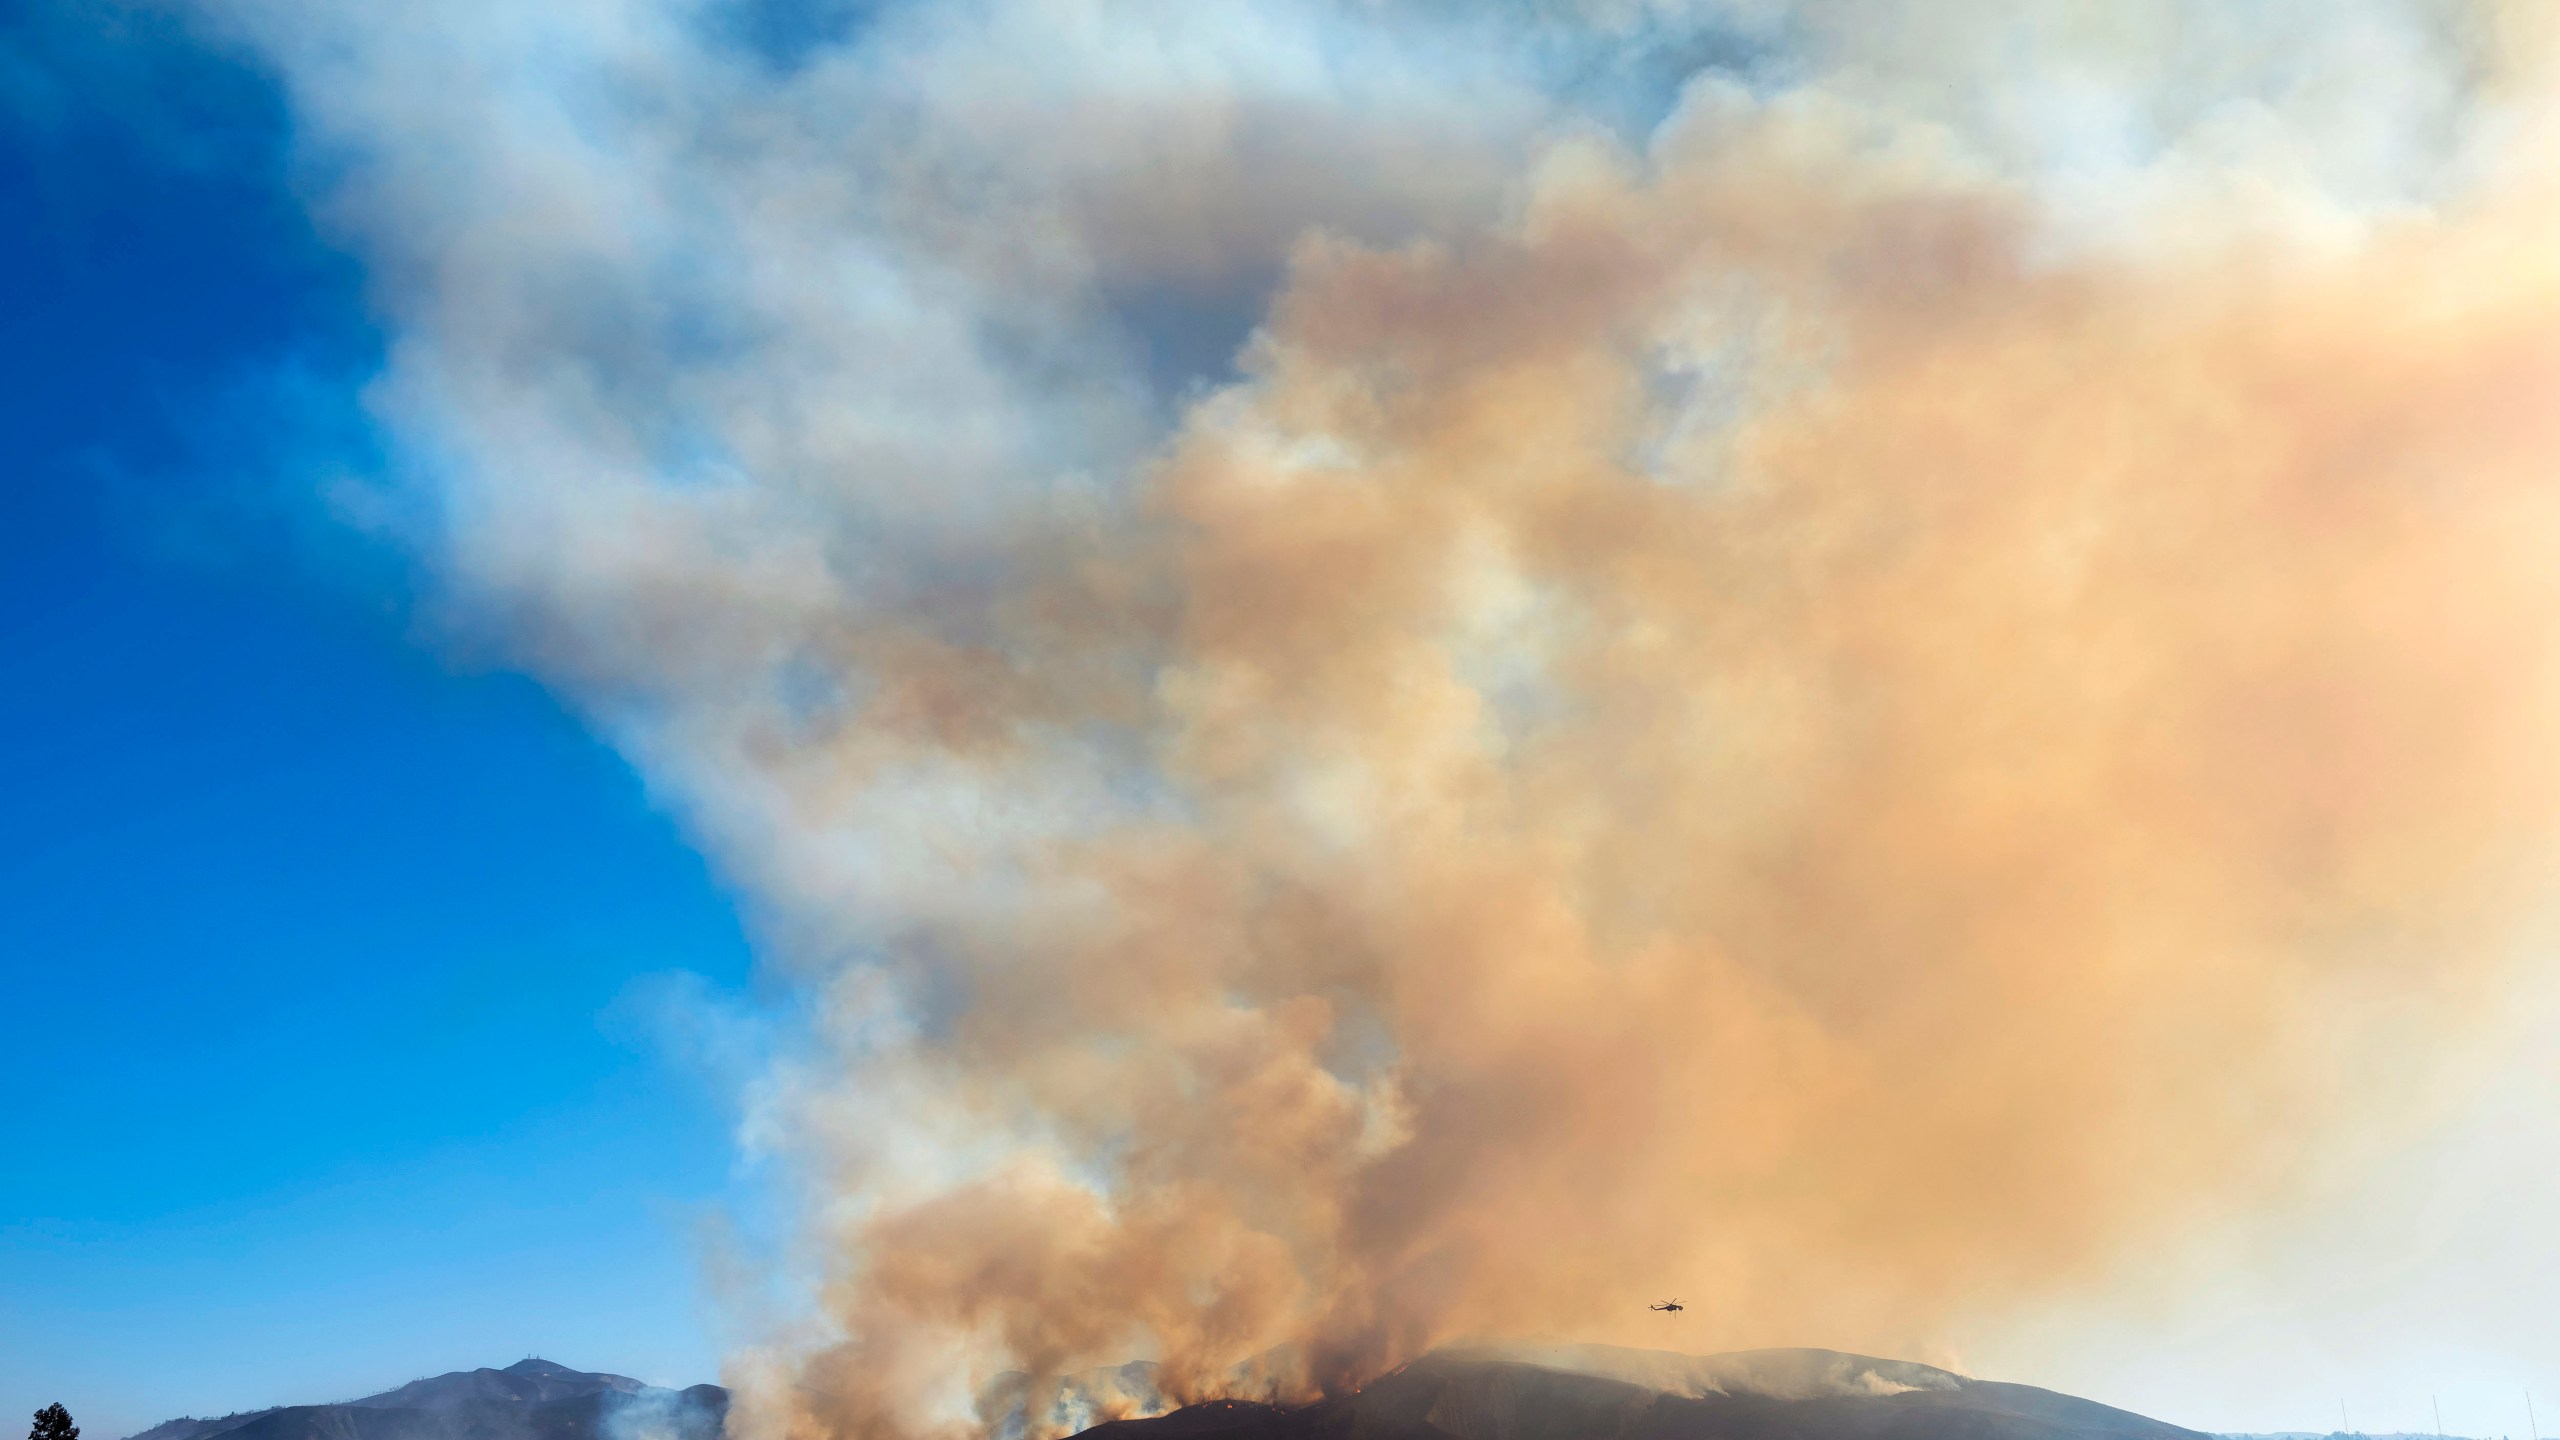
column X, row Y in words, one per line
column 54, row 1423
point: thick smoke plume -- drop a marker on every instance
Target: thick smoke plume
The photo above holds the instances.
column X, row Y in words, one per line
column 1862, row 697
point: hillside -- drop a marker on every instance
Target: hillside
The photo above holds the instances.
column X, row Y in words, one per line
column 529, row 1400
column 1602, row 1393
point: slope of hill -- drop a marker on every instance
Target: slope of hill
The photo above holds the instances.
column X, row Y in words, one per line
column 188, row 1427
column 529, row 1400
column 525, row 1382
column 1603, row 1393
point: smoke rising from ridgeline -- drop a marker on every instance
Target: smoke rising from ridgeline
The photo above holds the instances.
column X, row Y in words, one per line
column 1857, row 697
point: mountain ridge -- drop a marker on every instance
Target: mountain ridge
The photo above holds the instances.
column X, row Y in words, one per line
column 1610, row 1393
column 1462, row 1392
column 533, row 1399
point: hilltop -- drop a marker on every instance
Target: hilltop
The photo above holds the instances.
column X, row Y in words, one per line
column 529, row 1400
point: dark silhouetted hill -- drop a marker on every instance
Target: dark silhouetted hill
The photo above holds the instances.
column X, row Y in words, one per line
column 1601, row 1393
column 529, row 1400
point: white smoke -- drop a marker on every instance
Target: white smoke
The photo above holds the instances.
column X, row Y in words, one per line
column 878, row 443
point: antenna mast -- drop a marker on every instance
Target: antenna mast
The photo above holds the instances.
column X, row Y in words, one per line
column 2529, row 1416
column 2432, row 1405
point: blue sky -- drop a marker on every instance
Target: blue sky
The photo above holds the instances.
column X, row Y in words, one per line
column 327, row 949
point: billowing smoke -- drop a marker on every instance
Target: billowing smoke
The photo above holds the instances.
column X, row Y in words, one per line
column 1396, row 673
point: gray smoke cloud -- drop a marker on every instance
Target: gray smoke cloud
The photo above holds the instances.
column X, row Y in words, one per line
column 1396, row 672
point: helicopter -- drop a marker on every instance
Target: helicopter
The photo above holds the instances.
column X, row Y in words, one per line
column 1671, row 1306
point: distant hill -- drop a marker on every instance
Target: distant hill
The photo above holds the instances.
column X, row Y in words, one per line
column 529, row 1400
column 527, row 1382
column 1578, row 1392
column 1592, row 1392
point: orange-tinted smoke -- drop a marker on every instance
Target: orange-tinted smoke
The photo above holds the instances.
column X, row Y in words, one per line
column 1785, row 729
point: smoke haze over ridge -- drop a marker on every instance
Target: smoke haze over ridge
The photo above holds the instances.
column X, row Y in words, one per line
column 1397, row 673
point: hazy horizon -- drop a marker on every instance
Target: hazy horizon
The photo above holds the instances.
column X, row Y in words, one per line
column 2428, row 1434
